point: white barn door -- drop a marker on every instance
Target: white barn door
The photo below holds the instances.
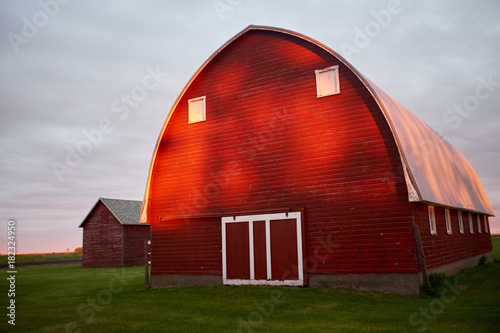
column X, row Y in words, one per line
column 262, row 249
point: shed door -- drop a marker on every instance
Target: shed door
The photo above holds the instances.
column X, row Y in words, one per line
column 262, row 249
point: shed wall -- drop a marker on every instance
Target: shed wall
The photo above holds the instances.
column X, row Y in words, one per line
column 102, row 239
column 133, row 244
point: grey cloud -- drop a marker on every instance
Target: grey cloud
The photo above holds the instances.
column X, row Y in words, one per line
column 90, row 53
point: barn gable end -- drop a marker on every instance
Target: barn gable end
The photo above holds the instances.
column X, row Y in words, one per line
column 269, row 143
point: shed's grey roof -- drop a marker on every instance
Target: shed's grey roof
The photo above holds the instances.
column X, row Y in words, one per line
column 127, row 212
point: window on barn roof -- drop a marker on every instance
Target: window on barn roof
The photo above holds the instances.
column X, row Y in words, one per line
column 460, row 222
column 448, row 221
column 471, row 227
column 327, row 81
column 197, row 109
column 432, row 220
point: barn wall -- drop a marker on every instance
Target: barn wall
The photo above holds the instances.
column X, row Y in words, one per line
column 102, row 239
column 190, row 249
column 443, row 249
column 133, row 244
column 268, row 143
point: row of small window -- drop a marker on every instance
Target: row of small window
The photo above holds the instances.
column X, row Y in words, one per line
column 327, row 84
column 449, row 230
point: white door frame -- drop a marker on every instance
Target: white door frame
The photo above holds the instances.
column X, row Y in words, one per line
column 267, row 218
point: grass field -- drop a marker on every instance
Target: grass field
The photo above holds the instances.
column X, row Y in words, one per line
column 43, row 257
column 73, row 299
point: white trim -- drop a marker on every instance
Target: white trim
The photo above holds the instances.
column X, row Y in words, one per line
column 300, row 264
column 224, row 266
column 432, row 220
column 204, row 109
column 269, row 270
column 318, row 72
column 486, row 229
column 479, row 224
column 236, row 282
column 471, row 226
column 267, row 218
column 447, row 218
column 251, row 249
column 460, row 222
column 261, row 217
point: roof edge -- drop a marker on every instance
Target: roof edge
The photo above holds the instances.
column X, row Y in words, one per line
column 414, row 193
column 145, row 204
column 104, row 203
column 90, row 211
column 143, row 218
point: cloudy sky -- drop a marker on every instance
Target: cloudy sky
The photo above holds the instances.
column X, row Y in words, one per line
column 70, row 133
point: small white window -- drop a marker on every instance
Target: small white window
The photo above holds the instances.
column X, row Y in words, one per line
column 196, row 108
column 432, row 220
column 471, row 227
column 486, row 229
column 479, row 223
column 448, row 221
column 327, row 81
column 460, row 222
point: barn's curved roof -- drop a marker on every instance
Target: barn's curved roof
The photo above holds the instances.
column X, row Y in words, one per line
column 435, row 171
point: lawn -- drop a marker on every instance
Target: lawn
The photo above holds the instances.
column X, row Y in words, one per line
column 73, row 299
column 495, row 241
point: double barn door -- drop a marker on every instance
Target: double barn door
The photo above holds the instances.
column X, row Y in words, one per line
column 262, row 249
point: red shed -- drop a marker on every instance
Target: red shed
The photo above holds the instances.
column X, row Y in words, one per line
column 112, row 235
column 279, row 163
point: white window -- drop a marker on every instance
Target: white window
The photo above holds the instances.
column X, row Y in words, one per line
column 196, row 108
column 432, row 220
column 479, row 223
column 448, row 221
column 486, row 229
column 460, row 222
column 327, row 81
column 471, row 227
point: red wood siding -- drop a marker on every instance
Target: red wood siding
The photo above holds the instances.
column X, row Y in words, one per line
column 269, row 143
column 442, row 249
column 192, row 248
column 102, row 239
column 133, row 244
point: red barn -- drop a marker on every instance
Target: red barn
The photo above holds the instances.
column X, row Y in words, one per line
column 279, row 163
column 112, row 235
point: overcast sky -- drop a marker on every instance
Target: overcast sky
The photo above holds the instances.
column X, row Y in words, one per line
column 67, row 68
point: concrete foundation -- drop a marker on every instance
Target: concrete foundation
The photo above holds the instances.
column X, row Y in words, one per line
column 393, row 283
column 455, row 267
column 158, row 281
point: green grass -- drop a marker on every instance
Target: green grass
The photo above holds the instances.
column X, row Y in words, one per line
column 495, row 241
column 73, row 299
column 43, row 257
